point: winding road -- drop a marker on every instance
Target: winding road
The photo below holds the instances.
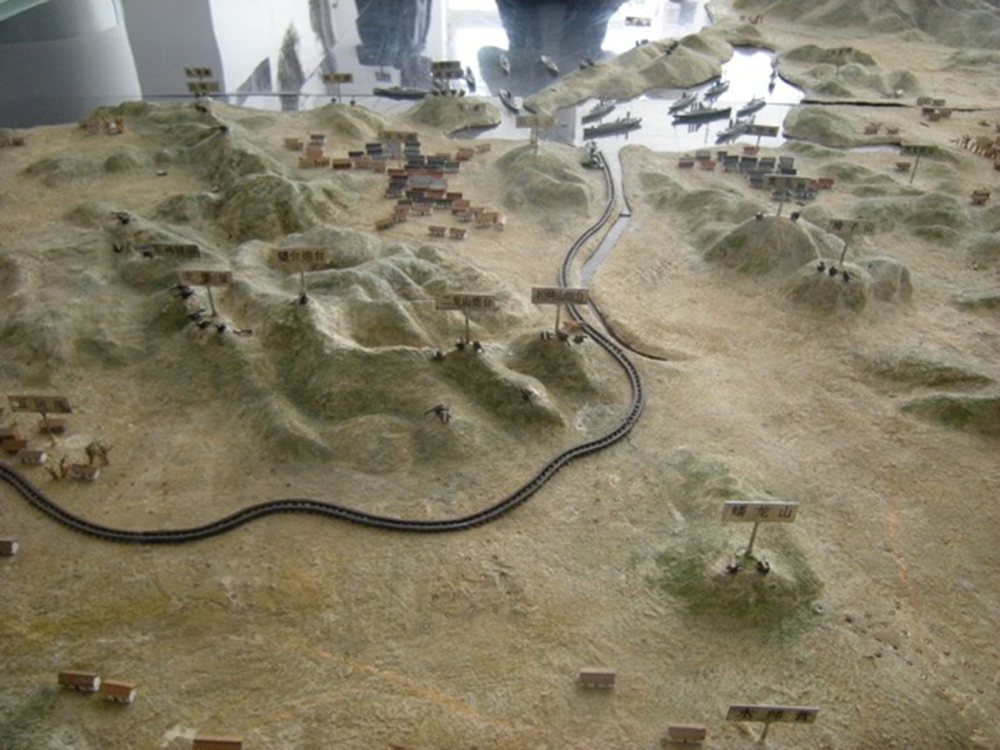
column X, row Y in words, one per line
column 40, row 500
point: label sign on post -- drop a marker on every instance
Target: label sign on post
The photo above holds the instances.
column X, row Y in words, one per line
column 447, row 69
column 536, row 123
column 756, row 513
column 198, row 72
column 171, row 250
column 769, row 131
column 559, row 296
column 847, row 228
column 771, row 714
column 300, row 258
column 203, row 87
column 917, row 150
column 40, row 404
column 43, row 405
column 466, row 301
column 207, row 279
column 336, row 79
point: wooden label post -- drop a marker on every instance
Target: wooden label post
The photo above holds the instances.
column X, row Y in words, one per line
column 336, row 79
column 559, row 296
column 207, row 279
column 847, row 228
column 771, row 131
column 917, row 151
column 466, row 301
column 200, row 86
column 170, row 250
column 43, row 405
column 771, row 714
column 537, row 123
column 757, row 513
column 301, row 258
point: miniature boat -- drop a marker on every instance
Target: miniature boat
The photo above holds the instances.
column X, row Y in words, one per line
column 508, row 101
column 399, row 92
column 684, row 102
column 734, row 131
column 701, row 112
column 504, row 64
column 600, row 109
column 621, row 125
column 716, row 88
column 550, row 65
column 751, row 106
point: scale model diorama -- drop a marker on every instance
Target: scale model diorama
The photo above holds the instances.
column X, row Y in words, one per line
column 395, row 417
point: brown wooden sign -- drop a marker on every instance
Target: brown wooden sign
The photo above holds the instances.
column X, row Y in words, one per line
column 756, row 512
column 850, row 226
column 203, row 87
column 466, row 301
column 557, row 295
column 172, row 249
column 300, row 256
column 338, row 78
column 206, row 278
column 770, row 714
column 769, row 131
column 40, row 404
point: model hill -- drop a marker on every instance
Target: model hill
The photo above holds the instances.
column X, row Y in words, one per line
column 958, row 23
column 349, row 375
column 660, row 64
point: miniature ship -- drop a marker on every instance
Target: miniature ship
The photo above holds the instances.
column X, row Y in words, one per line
column 701, row 112
column 734, row 131
column 600, row 109
column 716, row 88
column 550, row 65
column 508, row 101
column 751, row 106
column 399, row 92
column 504, row 64
column 621, row 125
column 684, row 102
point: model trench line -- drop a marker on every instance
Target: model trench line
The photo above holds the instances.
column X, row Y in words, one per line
column 40, row 500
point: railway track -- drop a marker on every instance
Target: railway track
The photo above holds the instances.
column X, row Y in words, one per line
column 45, row 504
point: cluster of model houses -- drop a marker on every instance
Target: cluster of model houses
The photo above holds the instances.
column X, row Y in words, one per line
column 13, row 442
column 124, row 692
column 417, row 181
column 775, row 173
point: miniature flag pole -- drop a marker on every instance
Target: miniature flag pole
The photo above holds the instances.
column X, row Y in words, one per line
column 753, row 536
column 211, row 301
column 558, row 311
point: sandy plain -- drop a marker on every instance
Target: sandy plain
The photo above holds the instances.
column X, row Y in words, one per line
column 295, row 631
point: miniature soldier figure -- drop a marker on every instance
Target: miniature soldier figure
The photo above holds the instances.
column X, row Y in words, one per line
column 820, row 267
column 528, row 396
column 832, row 271
column 763, row 567
column 437, row 355
column 441, row 412
column 846, row 275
